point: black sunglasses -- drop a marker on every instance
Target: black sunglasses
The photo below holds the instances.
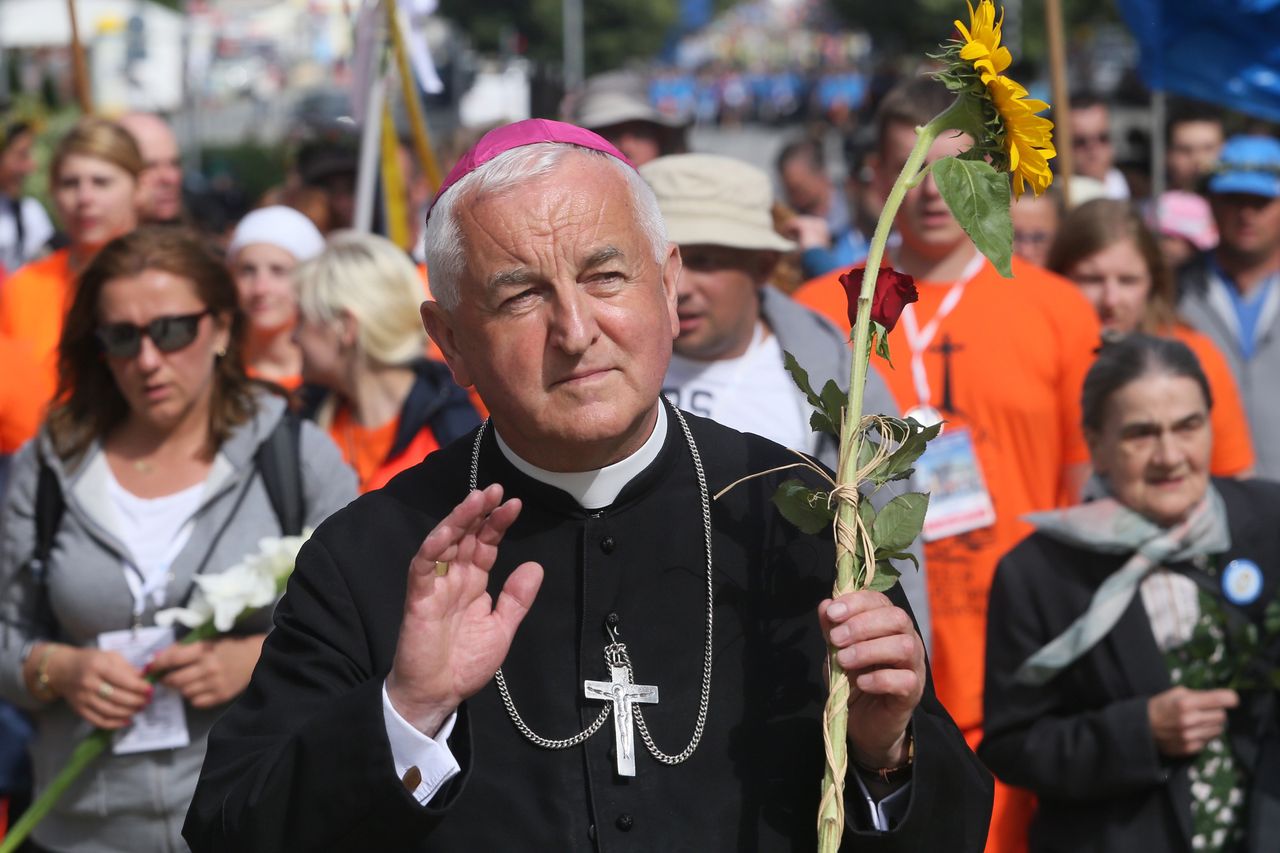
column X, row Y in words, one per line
column 169, row 334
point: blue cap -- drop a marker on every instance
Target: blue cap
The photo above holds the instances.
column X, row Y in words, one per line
column 1249, row 164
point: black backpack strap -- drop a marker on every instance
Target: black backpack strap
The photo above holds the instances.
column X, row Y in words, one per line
column 279, row 462
column 49, row 509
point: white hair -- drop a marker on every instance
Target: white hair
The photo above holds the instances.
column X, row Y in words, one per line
column 370, row 278
column 445, row 248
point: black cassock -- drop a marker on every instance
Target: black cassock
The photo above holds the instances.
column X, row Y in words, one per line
column 301, row 761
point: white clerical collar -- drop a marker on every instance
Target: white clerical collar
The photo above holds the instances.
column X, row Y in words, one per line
column 599, row 488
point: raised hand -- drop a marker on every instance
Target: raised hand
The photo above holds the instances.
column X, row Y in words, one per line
column 452, row 636
column 1183, row 720
column 879, row 649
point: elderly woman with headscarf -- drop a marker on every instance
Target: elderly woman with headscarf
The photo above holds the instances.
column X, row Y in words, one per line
column 1132, row 640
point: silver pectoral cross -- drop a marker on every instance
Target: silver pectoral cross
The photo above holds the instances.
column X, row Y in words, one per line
column 622, row 693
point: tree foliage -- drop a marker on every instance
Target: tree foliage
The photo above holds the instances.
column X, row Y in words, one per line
column 616, row 31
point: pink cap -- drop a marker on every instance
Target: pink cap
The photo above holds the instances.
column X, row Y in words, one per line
column 1185, row 215
column 517, row 135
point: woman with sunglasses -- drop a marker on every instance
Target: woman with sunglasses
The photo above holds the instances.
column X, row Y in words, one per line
column 265, row 248
column 94, row 183
column 386, row 405
column 1107, row 250
column 152, row 442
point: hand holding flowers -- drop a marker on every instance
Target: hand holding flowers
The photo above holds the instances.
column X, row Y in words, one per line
column 1011, row 144
column 206, row 668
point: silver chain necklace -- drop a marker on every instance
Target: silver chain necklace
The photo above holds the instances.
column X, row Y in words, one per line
column 615, row 653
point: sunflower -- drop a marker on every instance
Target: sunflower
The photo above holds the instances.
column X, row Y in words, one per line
column 1028, row 138
column 1017, row 140
column 982, row 41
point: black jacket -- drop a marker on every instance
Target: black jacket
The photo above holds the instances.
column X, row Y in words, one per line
column 1082, row 743
column 301, row 760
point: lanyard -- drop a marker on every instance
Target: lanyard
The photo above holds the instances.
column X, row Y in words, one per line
column 918, row 339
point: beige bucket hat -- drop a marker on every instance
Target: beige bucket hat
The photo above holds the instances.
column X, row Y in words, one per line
column 711, row 200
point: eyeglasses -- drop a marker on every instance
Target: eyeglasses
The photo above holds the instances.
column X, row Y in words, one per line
column 1086, row 141
column 169, row 334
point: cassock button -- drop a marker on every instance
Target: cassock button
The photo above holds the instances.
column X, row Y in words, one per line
column 607, row 544
column 591, row 832
column 625, row 822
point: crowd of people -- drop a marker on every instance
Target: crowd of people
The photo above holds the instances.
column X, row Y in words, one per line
column 1096, row 591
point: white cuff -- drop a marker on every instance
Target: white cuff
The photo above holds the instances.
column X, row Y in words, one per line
column 887, row 813
column 411, row 749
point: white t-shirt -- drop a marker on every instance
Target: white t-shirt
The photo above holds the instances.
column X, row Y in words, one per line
column 36, row 231
column 750, row 393
column 155, row 531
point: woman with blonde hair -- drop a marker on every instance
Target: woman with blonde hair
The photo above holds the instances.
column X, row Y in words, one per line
column 362, row 339
column 94, row 184
column 1108, row 251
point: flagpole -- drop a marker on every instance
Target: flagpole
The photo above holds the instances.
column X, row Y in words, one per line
column 370, row 143
column 79, row 73
column 1061, row 97
column 412, row 101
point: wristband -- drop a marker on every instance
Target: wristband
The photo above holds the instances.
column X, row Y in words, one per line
column 887, row 773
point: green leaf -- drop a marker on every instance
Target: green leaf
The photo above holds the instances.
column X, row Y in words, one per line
column 804, row 507
column 912, row 439
column 822, row 419
column 899, row 555
column 979, row 199
column 801, row 379
column 881, row 339
column 886, row 577
column 899, row 522
column 833, row 403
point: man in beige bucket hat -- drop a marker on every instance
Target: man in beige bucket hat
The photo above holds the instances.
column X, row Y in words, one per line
column 735, row 326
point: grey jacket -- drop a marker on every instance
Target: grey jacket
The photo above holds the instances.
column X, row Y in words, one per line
column 825, row 353
column 133, row 802
column 1205, row 304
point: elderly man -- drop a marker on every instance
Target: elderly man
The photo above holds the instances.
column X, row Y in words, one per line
column 662, row 691
column 1232, row 294
column 161, row 181
column 1091, row 143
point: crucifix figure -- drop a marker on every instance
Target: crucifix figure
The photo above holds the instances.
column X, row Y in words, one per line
column 622, row 693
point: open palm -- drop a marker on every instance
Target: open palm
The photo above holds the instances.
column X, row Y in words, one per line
column 452, row 636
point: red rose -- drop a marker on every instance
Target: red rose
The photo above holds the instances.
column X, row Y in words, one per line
column 894, row 291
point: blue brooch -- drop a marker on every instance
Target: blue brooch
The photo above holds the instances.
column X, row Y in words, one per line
column 1242, row 582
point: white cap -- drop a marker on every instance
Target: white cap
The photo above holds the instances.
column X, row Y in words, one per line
column 278, row 226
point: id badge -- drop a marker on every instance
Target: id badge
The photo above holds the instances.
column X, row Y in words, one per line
column 163, row 723
column 958, row 498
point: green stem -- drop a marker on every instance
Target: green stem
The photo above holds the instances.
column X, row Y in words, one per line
column 83, row 755
column 830, row 830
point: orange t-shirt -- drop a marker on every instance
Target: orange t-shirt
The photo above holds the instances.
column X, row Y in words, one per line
column 366, row 449
column 1019, row 350
column 24, row 394
column 33, row 304
column 1232, row 446
column 288, row 383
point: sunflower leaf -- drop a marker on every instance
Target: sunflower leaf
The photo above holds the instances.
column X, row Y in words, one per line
column 979, row 199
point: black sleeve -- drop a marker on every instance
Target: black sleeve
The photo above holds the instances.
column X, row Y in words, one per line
column 301, row 760
column 1036, row 737
column 951, row 792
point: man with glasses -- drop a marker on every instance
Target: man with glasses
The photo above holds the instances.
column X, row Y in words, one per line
column 1095, row 155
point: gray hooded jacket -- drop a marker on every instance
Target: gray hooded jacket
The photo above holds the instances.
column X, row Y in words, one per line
column 133, row 802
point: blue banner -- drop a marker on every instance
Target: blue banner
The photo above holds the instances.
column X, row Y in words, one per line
column 1225, row 52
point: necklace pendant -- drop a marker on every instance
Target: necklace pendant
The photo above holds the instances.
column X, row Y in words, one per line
column 623, row 694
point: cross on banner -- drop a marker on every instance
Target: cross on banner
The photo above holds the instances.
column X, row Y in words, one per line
column 623, row 694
